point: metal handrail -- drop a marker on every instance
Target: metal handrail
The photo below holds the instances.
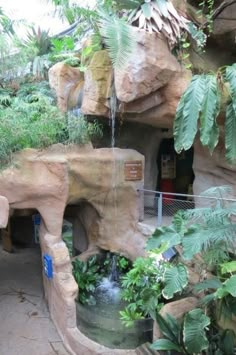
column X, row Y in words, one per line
column 186, row 195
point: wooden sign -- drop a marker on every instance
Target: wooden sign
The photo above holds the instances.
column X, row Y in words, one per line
column 133, row 170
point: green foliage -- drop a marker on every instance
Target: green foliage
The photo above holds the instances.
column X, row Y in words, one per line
column 230, row 124
column 199, row 107
column 87, row 276
column 200, row 100
column 6, row 24
column 118, row 37
column 229, row 267
column 188, row 337
column 80, row 131
column 166, row 235
column 141, row 289
column 194, row 331
column 208, row 231
column 175, row 279
column 32, row 120
column 23, row 124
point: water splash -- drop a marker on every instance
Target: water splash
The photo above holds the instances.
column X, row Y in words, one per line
column 108, row 291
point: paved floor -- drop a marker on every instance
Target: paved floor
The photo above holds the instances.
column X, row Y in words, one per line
column 25, row 325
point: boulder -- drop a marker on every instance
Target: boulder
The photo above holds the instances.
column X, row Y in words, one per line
column 97, row 87
column 149, row 67
column 162, row 115
column 4, row 212
column 176, row 309
column 65, row 79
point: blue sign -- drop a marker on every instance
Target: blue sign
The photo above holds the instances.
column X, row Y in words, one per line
column 37, row 219
column 47, row 265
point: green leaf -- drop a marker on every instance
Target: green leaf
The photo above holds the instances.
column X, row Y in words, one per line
column 176, row 279
column 129, row 4
column 147, row 10
column 201, row 237
column 166, row 328
column 165, row 344
column 230, row 76
column 228, row 267
column 213, row 283
column 230, row 132
column 163, row 235
column 194, row 334
column 118, row 37
column 187, row 114
column 228, row 342
column 229, row 287
column 209, row 112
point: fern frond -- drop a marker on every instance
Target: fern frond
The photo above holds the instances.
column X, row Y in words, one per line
column 200, row 238
column 188, row 110
column 118, row 38
column 209, row 131
column 223, row 191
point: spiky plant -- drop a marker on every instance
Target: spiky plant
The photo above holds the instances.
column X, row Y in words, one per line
column 158, row 16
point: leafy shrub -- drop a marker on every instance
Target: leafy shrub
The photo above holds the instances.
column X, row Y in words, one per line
column 208, row 231
column 32, row 120
column 36, row 124
column 148, row 285
column 80, row 131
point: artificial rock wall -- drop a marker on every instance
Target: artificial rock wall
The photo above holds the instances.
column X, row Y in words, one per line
column 50, row 180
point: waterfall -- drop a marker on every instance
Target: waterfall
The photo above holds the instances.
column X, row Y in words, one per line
column 113, row 108
column 108, row 290
column 114, row 275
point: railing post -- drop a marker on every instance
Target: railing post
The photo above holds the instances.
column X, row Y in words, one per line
column 159, row 209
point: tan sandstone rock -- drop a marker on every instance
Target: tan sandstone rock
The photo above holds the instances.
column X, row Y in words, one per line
column 98, row 79
column 93, row 180
column 212, row 170
column 162, row 115
column 149, row 67
column 4, row 212
column 67, row 82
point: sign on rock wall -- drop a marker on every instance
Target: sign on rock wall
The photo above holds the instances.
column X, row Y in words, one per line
column 133, row 170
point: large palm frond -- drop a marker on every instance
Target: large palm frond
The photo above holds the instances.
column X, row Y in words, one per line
column 118, row 38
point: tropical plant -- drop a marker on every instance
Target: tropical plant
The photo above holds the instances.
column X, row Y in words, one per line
column 80, row 131
column 113, row 20
column 188, row 337
column 6, row 24
column 209, row 231
column 29, row 118
column 199, row 108
column 148, row 284
column 87, row 276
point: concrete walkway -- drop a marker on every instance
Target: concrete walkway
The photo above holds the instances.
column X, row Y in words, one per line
column 25, row 325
